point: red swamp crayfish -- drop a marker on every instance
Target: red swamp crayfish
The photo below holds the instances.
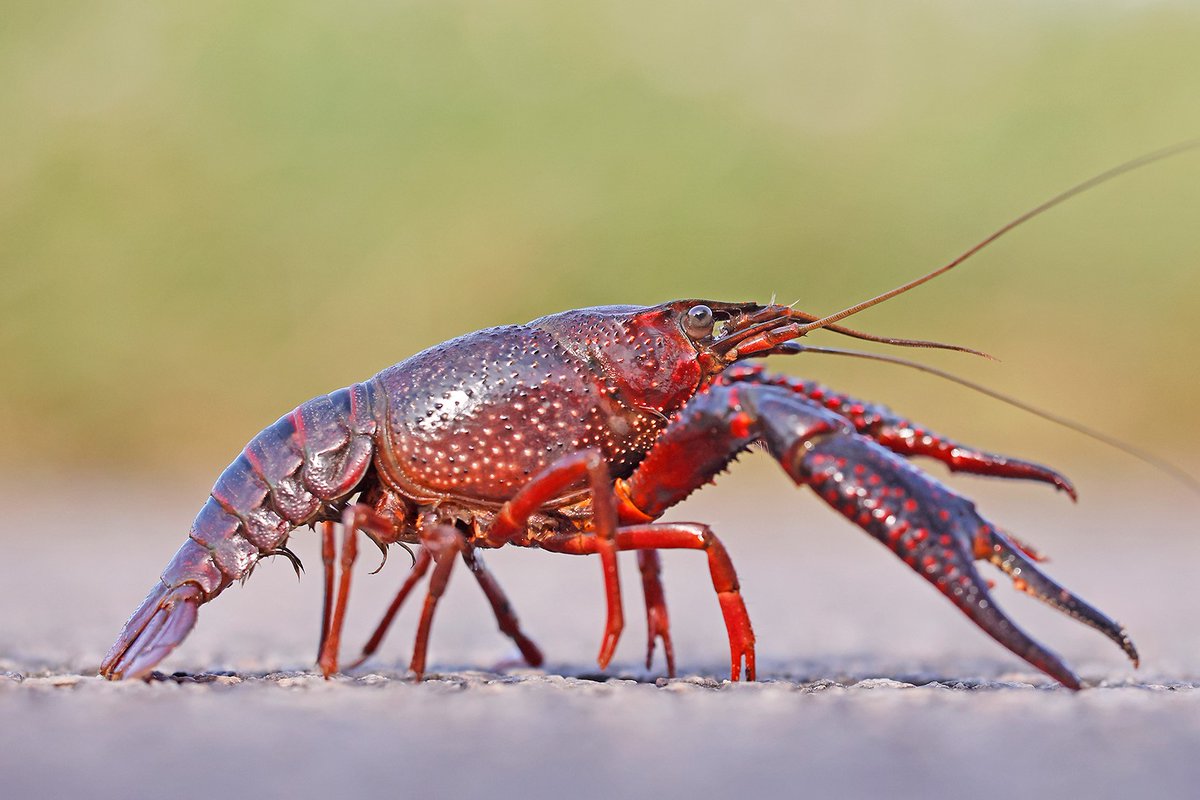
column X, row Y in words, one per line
column 575, row 433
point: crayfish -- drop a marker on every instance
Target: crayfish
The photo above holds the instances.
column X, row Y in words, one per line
column 576, row 433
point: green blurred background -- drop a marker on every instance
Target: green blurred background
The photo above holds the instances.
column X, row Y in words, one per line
column 211, row 212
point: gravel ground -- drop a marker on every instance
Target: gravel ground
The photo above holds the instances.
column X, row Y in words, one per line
column 870, row 683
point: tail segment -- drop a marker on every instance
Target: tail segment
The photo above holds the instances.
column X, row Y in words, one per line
column 161, row 622
column 288, row 475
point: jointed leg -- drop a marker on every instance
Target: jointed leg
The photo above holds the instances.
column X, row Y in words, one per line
column 658, row 625
column 725, row 582
column 328, row 659
column 444, row 543
column 327, row 557
column 506, row 618
column 510, row 522
column 354, row 518
column 419, row 568
column 685, row 536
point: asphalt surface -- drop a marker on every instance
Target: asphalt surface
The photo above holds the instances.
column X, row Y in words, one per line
column 870, row 683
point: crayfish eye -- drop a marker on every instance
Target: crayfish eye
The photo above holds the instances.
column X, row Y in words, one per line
column 698, row 322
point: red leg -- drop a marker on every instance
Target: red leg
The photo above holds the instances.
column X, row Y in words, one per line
column 506, row 618
column 444, row 542
column 327, row 556
column 354, row 518
column 552, row 482
column 689, row 536
column 328, row 659
column 419, row 567
column 658, row 625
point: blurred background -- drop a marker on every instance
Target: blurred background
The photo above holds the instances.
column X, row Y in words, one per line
column 210, row 213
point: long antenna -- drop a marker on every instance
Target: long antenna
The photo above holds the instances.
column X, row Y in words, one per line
column 1096, row 180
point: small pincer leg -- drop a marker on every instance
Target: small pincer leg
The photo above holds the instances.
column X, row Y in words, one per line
column 658, row 624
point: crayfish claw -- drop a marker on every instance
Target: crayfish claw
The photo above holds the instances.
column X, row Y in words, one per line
column 1032, row 552
column 940, row 535
column 978, row 605
column 1014, row 560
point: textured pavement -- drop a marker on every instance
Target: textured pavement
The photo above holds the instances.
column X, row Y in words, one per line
column 871, row 682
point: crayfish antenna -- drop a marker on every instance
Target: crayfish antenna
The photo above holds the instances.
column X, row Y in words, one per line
column 1021, row 219
column 160, row 623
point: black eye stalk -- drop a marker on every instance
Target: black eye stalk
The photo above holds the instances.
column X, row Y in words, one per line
column 698, row 322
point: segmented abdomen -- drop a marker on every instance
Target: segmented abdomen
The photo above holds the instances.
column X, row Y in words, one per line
column 286, row 476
